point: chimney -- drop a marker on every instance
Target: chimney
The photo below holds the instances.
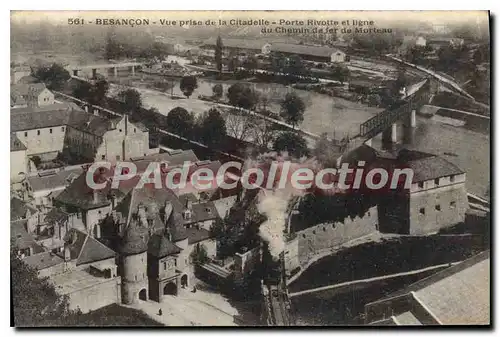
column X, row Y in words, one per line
column 96, row 196
column 167, row 210
column 141, row 213
column 168, row 234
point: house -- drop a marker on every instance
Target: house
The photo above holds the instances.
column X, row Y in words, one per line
column 310, row 53
column 44, row 186
column 18, row 159
column 18, row 72
column 89, row 275
column 92, row 206
column 20, row 210
column 23, row 242
column 30, row 95
column 440, row 42
column 49, row 130
column 421, row 41
column 236, row 47
column 457, row 295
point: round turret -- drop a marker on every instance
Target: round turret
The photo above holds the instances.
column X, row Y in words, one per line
column 135, row 240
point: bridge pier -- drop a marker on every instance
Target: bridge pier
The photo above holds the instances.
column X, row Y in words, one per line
column 390, row 137
column 409, row 128
column 115, row 71
column 133, row 70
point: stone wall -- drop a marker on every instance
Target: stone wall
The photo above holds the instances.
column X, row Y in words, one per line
column 320, row 238
column 96, row 296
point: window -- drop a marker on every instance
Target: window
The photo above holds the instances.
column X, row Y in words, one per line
column 324, row 229
column 38, row 132
column 50, row 130
column 314, row 232
column 422, row 211
column 99, row 211
column 165, row 265
column 175, row 262
column 453, row 204
column 135, row 276
column 438, row 207
column 103, row 157
column 118, row 157
column 420, row 184
column 304, row 236
column 135, row 130
column 25, row 134
column 62, row 128
column 452, row 179
column 120, row 130
column 436, row 181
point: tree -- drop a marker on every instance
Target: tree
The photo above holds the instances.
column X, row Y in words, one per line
column 242, row 95
column 341, row 73
column 295, row 66
column 291, row 142
column 211, row 127
column 113, row 49
column 218, row 91
column 36, row 160
column 132, row 100
column 251, row 63
column 218, row 54
column 180, row 121
column 93, row 93
column 292, row 109
column 188, row 85
column 35, row 301
column 324, row 152
column 233, row 63
column 54, row 77
column 199, row 255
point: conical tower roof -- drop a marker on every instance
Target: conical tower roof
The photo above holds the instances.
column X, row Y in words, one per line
column 135, row 239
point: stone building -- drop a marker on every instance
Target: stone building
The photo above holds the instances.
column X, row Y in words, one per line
column 437, row 198
column 49, row 130
column 30, row 95
column 170, row 234
column 18, row 72
column 18, row 159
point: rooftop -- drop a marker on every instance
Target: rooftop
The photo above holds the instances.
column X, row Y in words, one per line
column 43, row 260
column 16, row 144
column 456, row 295
column 160, row 246
column 85, row 249
column 60, row 115
column 54, row 179
column 22, row 239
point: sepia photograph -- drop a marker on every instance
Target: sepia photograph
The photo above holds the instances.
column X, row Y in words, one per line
column 250, row 168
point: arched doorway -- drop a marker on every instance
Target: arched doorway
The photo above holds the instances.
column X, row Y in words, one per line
column 143, row 295
column 170, row 289
column 184, row 281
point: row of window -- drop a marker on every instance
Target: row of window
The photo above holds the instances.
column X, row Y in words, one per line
column 38, row 131
column 436, row 182
column 453, row 204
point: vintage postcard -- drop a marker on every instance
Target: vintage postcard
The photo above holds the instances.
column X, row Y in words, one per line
column 250, row 168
